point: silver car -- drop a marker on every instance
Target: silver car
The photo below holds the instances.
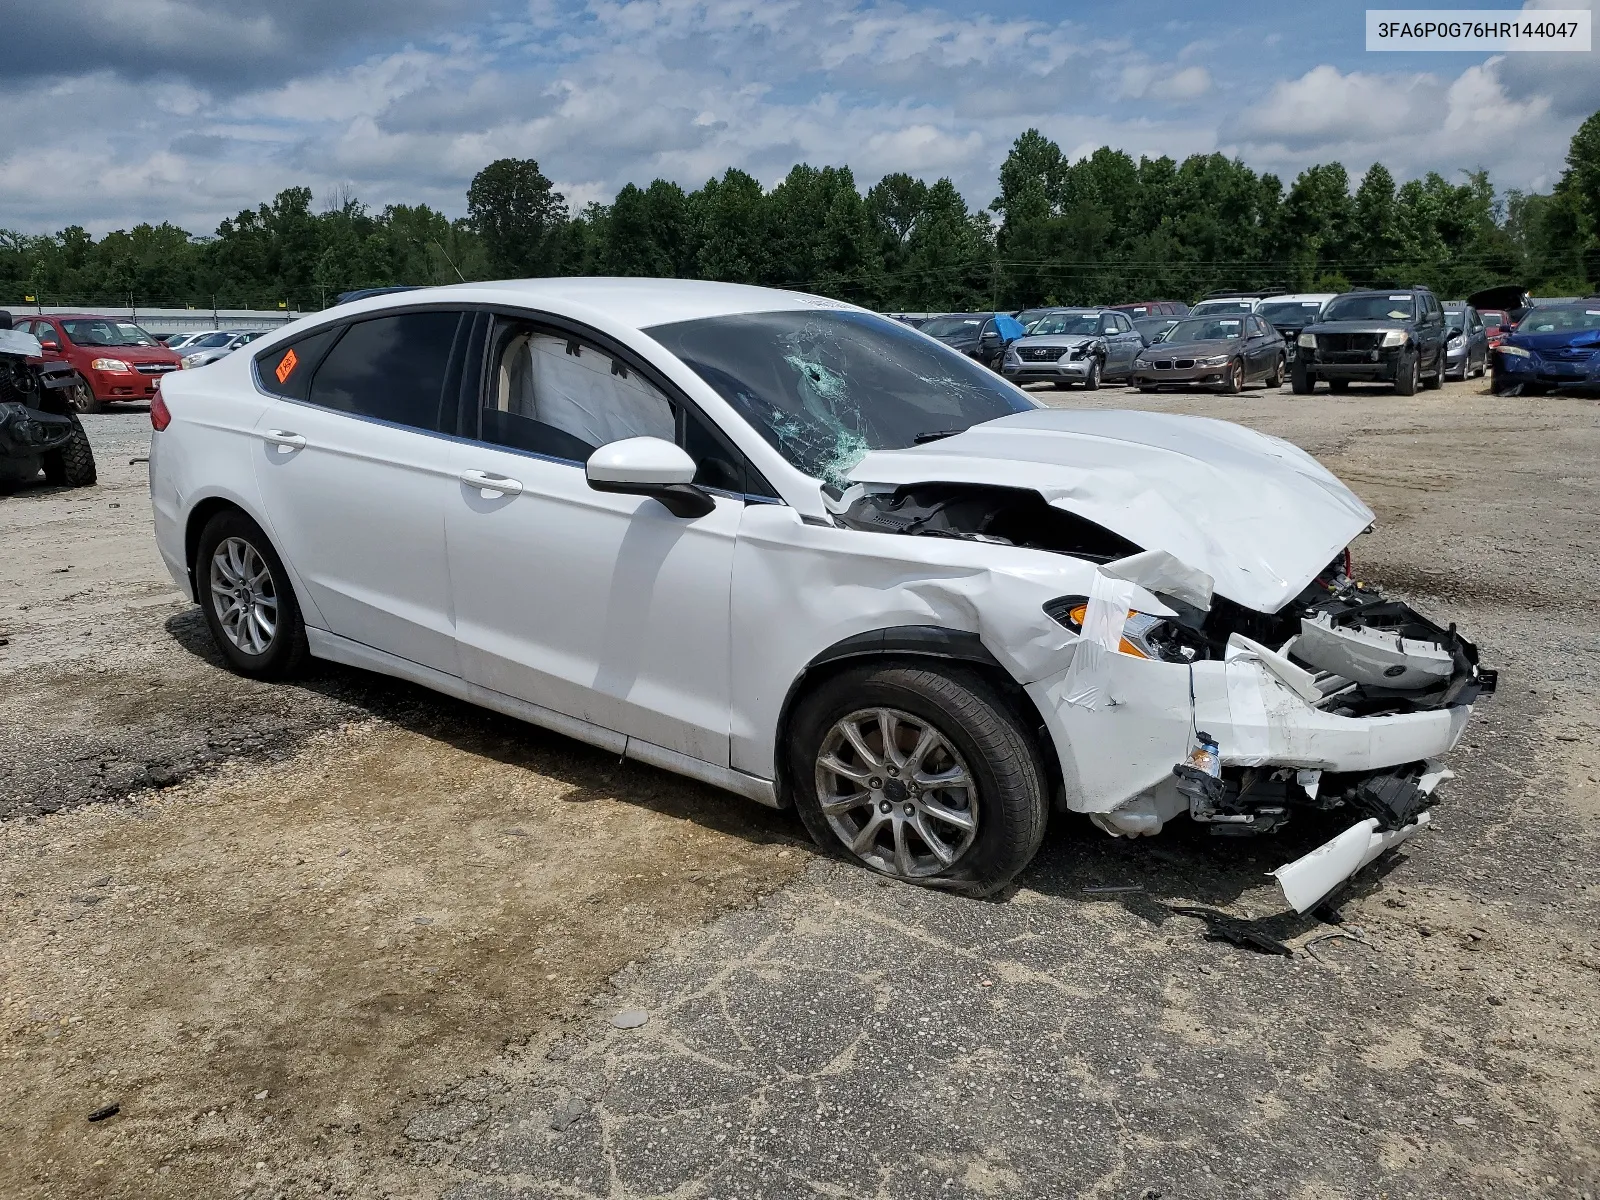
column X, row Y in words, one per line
column 1074, row 345
column 211, row 346
column 1467, row 350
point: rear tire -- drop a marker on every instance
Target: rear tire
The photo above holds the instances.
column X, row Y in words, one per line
column 73, row 464
column 989, row 826
column 1275, row 380
column 247, row 598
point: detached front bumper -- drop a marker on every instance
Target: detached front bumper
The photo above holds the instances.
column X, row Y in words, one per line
column 1117, row 758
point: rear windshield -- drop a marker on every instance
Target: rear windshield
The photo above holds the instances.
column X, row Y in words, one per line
column 1290, row 312
column 1221, row 306
column 824, row 388
column 1399, row 306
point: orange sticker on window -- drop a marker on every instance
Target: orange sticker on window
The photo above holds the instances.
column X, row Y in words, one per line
column 286, row 366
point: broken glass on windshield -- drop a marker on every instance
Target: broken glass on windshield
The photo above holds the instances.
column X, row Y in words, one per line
column 824, row 388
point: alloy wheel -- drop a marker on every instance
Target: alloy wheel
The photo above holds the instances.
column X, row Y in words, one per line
column 896, row 792
column 83, row 398
column 245, row 595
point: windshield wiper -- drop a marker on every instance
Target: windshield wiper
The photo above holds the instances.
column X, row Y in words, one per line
column 933, row 435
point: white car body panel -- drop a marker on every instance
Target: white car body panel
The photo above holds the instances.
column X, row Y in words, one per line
column 341, row 503
column 1260, row 516
column 677, row 641
column 605, row 607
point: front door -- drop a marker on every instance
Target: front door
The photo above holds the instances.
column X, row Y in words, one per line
column 355, row 477
column 603, row 607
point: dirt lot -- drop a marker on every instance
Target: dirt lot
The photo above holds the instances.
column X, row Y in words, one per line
column 348, row 937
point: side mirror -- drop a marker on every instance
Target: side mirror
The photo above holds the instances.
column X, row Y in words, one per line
column 56, row 346
column 648, row 466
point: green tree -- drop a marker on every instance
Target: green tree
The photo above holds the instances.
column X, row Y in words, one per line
column 519, row 215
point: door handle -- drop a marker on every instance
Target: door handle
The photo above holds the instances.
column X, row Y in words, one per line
column 284, row 440
column 486, row 483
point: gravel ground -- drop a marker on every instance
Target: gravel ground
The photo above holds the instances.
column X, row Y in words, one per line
column 196, row 938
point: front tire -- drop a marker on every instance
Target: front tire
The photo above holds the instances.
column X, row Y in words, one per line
column 1235, row 382
column 83, row 397
column 1436, row 381
column 1091, row 382
column 1300, row 380
column 73, row 464
column 1409, row 375
column 248, row 601
column 925, row 776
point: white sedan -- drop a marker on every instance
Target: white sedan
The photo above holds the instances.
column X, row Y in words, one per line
column 805, row 553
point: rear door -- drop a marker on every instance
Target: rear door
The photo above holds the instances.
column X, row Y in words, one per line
column 355, row 464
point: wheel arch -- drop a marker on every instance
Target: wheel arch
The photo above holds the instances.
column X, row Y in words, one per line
column 917, row 644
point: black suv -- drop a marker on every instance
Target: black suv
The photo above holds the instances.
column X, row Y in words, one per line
column 1376, row 335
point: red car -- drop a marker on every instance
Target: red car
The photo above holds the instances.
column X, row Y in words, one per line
column 1496, row 324
column 114, row 359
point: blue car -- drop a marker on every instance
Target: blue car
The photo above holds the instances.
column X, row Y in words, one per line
column 1556, row 347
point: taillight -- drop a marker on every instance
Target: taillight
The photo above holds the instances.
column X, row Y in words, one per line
column 160, row 418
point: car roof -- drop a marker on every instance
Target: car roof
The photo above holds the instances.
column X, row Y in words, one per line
column 634, row 303
column 1300, row 297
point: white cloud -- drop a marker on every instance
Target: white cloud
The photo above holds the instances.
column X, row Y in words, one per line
column 602, row 92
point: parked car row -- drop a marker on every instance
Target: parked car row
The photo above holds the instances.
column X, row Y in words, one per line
column 118, row 361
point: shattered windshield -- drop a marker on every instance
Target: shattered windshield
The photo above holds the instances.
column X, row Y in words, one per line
column 826, row 387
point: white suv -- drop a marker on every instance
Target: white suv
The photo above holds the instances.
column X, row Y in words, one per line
column 800, row 551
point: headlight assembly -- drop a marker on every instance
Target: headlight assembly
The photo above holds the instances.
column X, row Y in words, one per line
column 110, row 364
column 1216, row 360
column 1143, row 636
column 1307, row 341
column 1514, row 351
column 1395, row 337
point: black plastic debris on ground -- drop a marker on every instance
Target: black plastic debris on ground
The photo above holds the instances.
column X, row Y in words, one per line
column 1220, row 927
column 101, row 1114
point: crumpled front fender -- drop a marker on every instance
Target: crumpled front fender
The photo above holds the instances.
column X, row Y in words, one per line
column 1128, row 744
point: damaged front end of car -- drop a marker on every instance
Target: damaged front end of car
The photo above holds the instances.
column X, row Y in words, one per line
column 1296, row 690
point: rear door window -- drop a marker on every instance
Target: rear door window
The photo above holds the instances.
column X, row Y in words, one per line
column 286, row 370
column 393, row 369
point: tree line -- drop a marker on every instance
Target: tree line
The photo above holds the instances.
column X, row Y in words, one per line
column 1100, row 229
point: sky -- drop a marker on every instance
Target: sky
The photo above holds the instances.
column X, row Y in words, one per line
column 114, row 112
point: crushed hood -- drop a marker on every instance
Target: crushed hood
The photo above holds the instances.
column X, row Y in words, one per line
column 1260, row 516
